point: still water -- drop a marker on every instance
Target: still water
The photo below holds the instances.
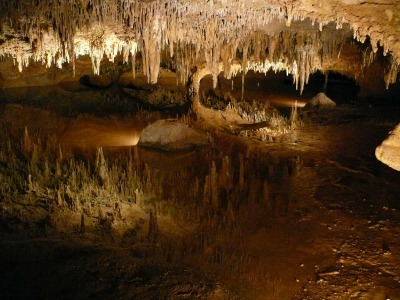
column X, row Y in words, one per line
column 298, row 219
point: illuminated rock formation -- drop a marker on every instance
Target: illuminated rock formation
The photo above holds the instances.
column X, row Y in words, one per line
column 389, row 151
column 171, row 135
column 320, row 101
column 299, row 36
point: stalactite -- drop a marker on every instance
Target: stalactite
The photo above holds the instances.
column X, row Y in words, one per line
column 133, row 61
column 302, row 69
column 244, row 59
column 193, row 33
column 151, row 52
column 295, row 74
column 243, row 74
column 289, row 12
column 391, row 73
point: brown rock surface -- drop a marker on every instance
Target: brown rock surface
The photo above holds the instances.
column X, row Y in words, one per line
column 171, row 135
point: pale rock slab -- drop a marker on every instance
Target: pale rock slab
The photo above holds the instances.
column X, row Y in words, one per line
column 172, row 135
column 389, row 151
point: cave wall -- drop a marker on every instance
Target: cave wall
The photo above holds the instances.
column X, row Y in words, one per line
column 298, row 36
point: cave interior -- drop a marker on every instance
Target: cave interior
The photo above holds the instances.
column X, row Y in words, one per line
column 244, row 190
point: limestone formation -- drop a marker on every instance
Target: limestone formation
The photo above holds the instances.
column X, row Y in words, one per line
column 171, row 135
column 298, row 36
column 320, row 101
column 389, row 151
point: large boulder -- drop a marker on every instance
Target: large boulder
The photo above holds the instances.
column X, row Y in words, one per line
column 171, row 135
column 320, row 101
column 389, row 151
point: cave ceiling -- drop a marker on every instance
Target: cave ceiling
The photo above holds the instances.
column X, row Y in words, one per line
column 299, row 37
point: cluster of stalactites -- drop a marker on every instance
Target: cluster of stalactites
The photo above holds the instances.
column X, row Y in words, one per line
column 287, row 51
column 368, row 55
column 299, row 54
column 391, row 72
column 16, row 47
column 102, row 41
column 66, row 28
column 98, row 42
column 193, row 32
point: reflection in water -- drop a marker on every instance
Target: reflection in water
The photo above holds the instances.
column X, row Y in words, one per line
column 225, row 214
column 99, row 133
column 83, row 131
column 234, row 217
column 286, row 102
column 248, row 217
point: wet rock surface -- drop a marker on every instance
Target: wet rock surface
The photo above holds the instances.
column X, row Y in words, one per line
column 172, row 135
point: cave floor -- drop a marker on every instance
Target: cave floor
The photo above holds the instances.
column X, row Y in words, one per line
column 315, row 216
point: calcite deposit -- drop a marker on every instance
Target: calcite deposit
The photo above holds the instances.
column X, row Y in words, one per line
column 389, row 151
column 298, row 36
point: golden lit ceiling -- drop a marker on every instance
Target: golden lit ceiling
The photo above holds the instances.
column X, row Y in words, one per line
column 229, row 35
